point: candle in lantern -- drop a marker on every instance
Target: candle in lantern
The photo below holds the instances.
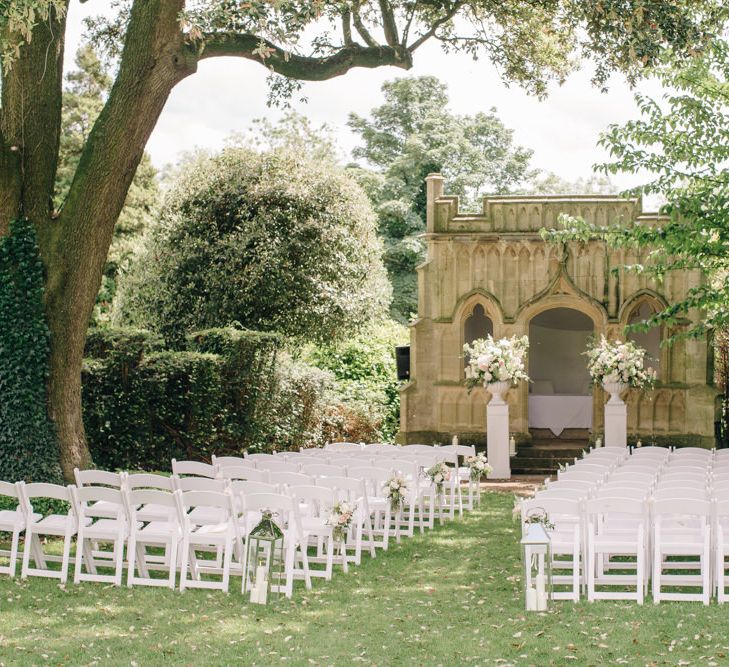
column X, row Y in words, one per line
column 598, row 443
column 512, row 446
column 541, row 602
column 455, row 441
column 531, row 599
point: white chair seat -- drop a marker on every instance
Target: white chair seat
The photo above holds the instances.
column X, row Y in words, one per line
column 154, row 513
column 158, row 529
column 13, row 519
column 105, row 528
column 55, row 524
column 211, row 515
column 317, row 525
column 104, row 509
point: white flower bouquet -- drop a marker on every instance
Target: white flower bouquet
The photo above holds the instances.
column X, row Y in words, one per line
column 479, row 466
column 439, row 474
column 492, row 360
column 396, row 488
column 341, row 518
column 619, row 362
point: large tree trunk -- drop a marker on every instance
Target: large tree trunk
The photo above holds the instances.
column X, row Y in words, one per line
column 75, row 251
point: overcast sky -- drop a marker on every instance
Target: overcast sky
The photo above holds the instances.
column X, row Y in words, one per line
column 226, row 94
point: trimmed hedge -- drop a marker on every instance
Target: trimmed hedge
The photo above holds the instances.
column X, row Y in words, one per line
column 28, row 443
column 144, row 406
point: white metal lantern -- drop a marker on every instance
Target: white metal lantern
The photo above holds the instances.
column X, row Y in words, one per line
column 537, row 555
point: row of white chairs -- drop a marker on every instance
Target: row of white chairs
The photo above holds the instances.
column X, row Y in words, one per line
column 203, row 507
column 614, row 513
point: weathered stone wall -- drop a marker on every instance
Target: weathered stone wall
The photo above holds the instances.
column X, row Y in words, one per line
column 497, row 259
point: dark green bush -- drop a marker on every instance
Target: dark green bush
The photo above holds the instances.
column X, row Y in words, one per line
column 28, row 443
column 142, row 408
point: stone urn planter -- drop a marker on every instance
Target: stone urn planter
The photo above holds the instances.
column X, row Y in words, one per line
column 497, row 391
column 614, row 389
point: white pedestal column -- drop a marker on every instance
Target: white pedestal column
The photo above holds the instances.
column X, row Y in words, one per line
column 616, row 425
column 497, row 434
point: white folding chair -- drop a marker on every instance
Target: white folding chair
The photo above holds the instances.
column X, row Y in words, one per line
column 721, row 545
column 319, row 531
column 54, row 525
column 255, row 458
column 286, row 513
column 221, row 462
column 96, row 527
column 143, row 532
column 112, row 480
column 290, row 479
column 609, row 535
column 144, row 480
column 200, row 536
column 342, row 446
column 194, row 469
column 566, row 542
column 13, row 522
column 464, row 472
column 323, row 470
column 354, row 492
column 375, row 480
column 681, row 528
column 245, row 472
column 379, row 448
column 278, row 466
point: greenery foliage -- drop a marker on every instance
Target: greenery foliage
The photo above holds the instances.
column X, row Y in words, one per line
column 273, row 241
column 683, row 142
column 28, row 445
column 410, row 135
column 144, row 405
column 366, row 382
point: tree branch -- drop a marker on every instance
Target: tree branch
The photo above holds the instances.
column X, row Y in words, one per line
column 304, row 68
column 364, row 33
column 437, row 24
column 388, row 23
column 347, row 27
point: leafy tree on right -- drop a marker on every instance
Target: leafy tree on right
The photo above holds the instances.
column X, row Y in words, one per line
column 682, row 140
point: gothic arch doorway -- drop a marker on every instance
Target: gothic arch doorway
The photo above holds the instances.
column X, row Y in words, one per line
column 560, row 396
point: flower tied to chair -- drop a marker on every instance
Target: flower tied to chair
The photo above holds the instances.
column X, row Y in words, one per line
column 478, row 466
column 396, row 488
column 341, row 518
column 439, row 474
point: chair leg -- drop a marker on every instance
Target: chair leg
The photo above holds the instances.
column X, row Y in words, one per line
column 172, row 562
column 119, row 559
column 227, row 556
column 590, row 569
column 80, row 552
column 329, row 560
column 185, row 563
column 656, row 575
column 13, row 552
column 132, row 552
column 26, row 553
column 66, row 558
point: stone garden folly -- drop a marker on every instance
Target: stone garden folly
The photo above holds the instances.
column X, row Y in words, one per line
column 491, row 272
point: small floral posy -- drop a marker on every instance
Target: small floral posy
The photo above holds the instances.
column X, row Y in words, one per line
column 439, row 474
column 619, row 362
column 341, row 518
column 479, row 466
column 492, row 360
column 396, row 488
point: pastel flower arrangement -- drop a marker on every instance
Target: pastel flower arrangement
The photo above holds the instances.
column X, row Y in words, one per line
column 492, row 360
column 396, row 488
column 619, row 362
column 439, row 474
column 479, row 466
column 341, row 518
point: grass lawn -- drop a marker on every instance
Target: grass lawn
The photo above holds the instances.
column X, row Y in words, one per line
column 451, row 597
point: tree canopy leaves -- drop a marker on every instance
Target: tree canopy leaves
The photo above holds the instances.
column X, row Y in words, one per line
column 272, row 241
column 682, row 141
